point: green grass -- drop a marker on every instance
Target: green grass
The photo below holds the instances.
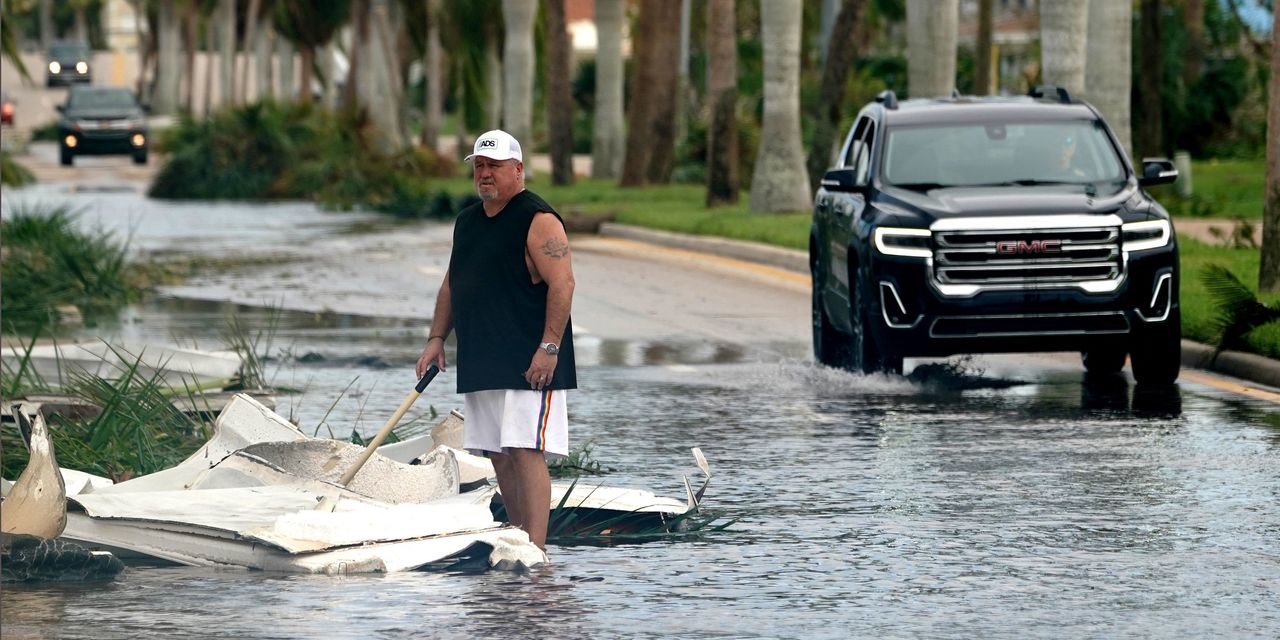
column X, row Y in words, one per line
column 677, row 207
column 49, row 263
column 1230, row 189
column 1198, row 307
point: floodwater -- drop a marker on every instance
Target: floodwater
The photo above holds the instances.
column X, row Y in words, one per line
column 1003, row 502
column 865, row 506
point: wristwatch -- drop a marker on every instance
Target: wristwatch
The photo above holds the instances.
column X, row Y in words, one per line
column 551, row 348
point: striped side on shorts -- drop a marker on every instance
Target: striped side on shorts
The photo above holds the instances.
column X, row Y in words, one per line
column 544, row 416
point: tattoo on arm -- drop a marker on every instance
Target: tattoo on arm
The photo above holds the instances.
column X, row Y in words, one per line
column 555, row 248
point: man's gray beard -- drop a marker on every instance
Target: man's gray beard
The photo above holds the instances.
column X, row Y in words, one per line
column 488, row 194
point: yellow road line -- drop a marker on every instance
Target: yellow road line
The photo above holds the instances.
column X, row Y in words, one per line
column 635, row 246
column 1230, row 386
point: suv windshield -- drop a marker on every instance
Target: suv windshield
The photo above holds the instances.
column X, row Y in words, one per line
column 69, row 51
column 101, row 99
column 960, row 155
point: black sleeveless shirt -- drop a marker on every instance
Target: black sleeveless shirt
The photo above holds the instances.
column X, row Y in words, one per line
column 498, row 312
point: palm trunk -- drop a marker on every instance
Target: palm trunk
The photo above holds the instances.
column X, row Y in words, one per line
column 168, row 60
column 262, row 61
column 207, row 54
column 722, row 93
column 250, row 40
column 47, row 33
column 983, row 73
column 835, row 75
column 1064, row 30
column 191, row 23
column 434, row 67
column 1150, row 138
column 651, row 121
column 1269, row 271
column 226, row 50
column 517, row 67
column 494, row 79
column 286, row 87
column 607, row 137
column 81, row 24
column 1110, row 48
column 932, row 28
column 1193, row 63
column 559, row 70
column 780, row 182
column 330, row 70
column 308, row 55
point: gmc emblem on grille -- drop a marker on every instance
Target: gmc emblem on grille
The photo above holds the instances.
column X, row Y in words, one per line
column 1017, row 247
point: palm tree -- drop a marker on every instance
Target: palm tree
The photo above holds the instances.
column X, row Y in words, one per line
column 558, row 61
column 781, row 182
column 309, row 25
column 433, row 77
column 650, row 153
column 9, row 44
column 168, row 62
column 1150, row 123
column 835, row 73
column 722, row 95
column 982, row 78
column 1107, row 83
column 1269, row 271
column 1064, row 30
column 517, row 68
column 607, row 138
column 932, row 31
column 226, row 50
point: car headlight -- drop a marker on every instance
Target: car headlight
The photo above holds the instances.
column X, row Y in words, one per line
column 904, row 241
column 1148, row 234
column 54, row 67
column 82, row 67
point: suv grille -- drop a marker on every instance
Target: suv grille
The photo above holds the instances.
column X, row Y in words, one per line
column 1027, row 258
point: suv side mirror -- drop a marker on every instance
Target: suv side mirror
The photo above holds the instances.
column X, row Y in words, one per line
column 1157, row 171
column 841, row 180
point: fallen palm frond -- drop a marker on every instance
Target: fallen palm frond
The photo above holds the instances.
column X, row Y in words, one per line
column 12, row 173
column 578, row 462
column 1238, row 310
column 569, row 524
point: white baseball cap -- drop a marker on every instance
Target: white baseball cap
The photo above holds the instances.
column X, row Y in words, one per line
column 496, row 145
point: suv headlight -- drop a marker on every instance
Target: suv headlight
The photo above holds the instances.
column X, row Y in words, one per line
column 82, row 67
column 1148, row 234
column 904, row 241
column 55, row 67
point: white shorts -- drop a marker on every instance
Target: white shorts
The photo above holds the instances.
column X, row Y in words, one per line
column 503, row 419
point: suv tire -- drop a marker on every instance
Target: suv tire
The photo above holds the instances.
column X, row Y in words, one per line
column 871, row 356
column 1156, row 355
column 830, row 346
column 65, row 156
column 140, row 157
column 1104, row 359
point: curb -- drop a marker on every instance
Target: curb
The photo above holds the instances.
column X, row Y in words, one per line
column 1246, row 366
column 788, row 259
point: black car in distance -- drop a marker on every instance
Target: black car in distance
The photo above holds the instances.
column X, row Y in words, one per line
column 993, row 225
column 69, row 63
column 101, row 121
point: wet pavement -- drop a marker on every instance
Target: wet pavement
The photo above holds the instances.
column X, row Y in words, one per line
column 1003, row 497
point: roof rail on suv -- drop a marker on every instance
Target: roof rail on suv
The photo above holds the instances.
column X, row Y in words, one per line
column 888, row 98
column 1045, row 90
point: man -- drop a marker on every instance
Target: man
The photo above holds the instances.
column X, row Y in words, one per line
column 507, row 293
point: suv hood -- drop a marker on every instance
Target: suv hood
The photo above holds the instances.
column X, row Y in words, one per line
column 954, row 202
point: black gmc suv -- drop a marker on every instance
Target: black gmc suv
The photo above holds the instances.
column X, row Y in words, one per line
column 984, row 225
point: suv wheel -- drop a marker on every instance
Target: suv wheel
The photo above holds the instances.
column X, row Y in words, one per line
column 65, row 156
column 1104, row 359
column 871, row 356
column 1156, row 355
column 830, row 346
column 140, row 156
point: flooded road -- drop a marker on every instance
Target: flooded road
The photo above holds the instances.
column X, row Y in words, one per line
column 999, row 497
